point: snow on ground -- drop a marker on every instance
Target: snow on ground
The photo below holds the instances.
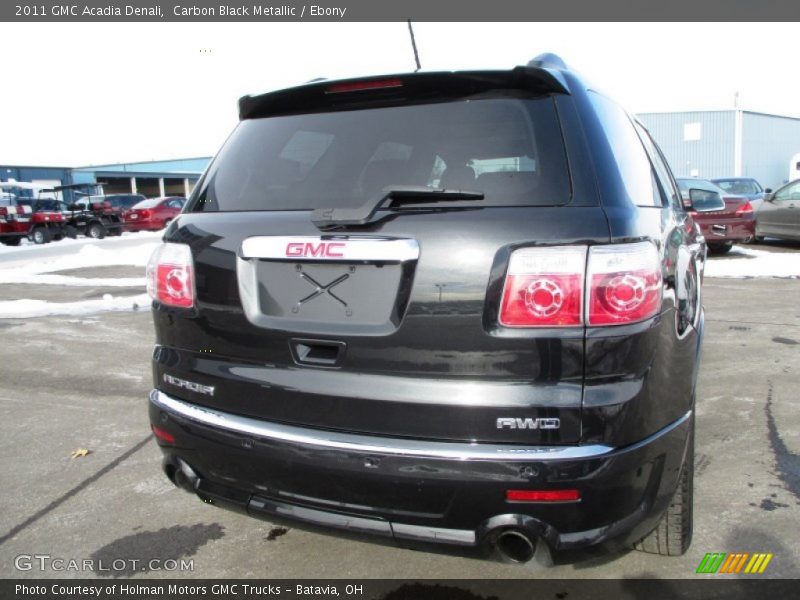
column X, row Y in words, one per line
column 748, row 262
column 27, row 246
column 94, row 253
column 40, row 264
column 27, row 308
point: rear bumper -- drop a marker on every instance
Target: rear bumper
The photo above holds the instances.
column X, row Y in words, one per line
column 444, row 492
column 728, row 230
column 139, row 226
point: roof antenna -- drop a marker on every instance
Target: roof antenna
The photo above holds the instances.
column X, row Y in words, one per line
column 414, row 46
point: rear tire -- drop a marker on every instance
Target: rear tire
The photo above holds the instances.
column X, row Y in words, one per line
column 673, row 535
column 96, row 231
column 40, row 235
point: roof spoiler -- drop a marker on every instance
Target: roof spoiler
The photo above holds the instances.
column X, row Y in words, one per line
column 352, row 94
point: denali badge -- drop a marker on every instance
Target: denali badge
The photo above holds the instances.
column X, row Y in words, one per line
column 527, row 423
column 208, row 390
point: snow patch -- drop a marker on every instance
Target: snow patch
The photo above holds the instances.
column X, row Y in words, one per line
column 27, row 308
column 746, row 262
column 39, row 264
column 28, row 247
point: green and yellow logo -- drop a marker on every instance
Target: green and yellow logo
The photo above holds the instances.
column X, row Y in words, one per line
column 736, row 562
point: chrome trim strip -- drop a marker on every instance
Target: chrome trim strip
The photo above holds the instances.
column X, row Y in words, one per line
column 461, row 537
column 372, row 444
column 346, row 248
column 320, row 517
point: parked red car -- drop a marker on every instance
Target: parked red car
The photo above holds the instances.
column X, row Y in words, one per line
column 152, row 214
column 722, row 222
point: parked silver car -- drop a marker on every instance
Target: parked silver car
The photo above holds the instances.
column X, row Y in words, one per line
column 779, row 216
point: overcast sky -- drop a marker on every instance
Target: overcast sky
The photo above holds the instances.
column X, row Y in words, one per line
column 75, row 94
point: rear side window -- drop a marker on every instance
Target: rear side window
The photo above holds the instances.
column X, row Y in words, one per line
column 511, row 149
column 634, row 165
column 663, row 173
column 739, row 186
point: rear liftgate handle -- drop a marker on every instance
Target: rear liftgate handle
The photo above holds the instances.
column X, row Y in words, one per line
column 318, row 353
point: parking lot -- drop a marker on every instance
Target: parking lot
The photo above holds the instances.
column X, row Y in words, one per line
column 78, row 377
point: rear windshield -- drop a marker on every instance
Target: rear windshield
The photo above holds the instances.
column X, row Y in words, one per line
column 125, row 200
column 739, row 186
column 148, row 203
column 510, row 149
column 699, row 184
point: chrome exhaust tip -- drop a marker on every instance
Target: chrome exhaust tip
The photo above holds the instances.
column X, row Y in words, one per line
column 181, row 475
column 515, row 546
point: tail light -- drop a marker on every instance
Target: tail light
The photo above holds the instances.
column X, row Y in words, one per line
column 143, row 213
column 170, row 275
column 544, row 288
column 624, row 283
column 563, row 287
column 744, row 209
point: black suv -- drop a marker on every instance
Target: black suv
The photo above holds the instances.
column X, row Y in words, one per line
column 459, row 307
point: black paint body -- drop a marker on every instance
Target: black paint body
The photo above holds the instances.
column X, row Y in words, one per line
column 447, row 370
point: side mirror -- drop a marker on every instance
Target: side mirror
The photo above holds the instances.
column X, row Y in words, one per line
column 769, row 196
column 768, row 191
column 705, row 200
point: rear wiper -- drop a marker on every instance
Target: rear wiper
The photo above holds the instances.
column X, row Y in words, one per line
column 334, row 217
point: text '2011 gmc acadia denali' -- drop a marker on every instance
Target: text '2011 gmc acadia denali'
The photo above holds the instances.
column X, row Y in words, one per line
column 458, row 307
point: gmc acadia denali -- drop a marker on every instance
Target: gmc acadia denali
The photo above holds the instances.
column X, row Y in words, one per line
column 456, row 307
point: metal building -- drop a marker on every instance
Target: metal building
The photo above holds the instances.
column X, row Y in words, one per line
column 727, row 143
column 44, row 176
column 152, row 178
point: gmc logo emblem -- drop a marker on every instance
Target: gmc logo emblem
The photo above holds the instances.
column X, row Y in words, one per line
column 527, row 423
column 318, row 250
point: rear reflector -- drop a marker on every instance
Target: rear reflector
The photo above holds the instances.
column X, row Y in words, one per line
column 542, row 495
column 624, row 282
column 170, row 275
column 544, row 287
column 359, row 86
column 164, row 436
